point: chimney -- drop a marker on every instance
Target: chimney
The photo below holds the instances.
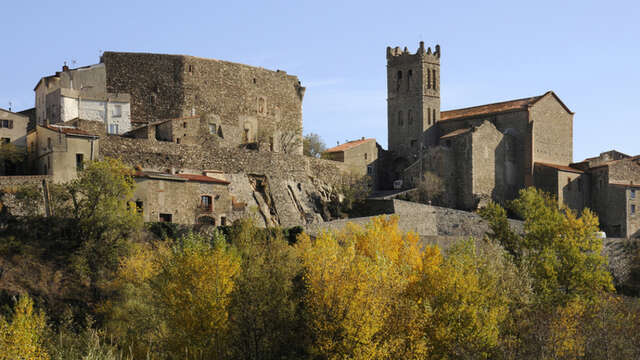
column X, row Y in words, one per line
column 363, row 138
column 65, row 67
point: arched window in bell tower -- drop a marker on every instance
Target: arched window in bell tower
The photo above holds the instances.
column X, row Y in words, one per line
column 400, row 120
column 398, row 80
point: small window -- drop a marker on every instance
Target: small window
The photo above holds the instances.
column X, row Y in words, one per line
column 206, row 203
column 365, row 156
column 429, row 116
column 212, row 129
column 113, row 129
column 400, row 120
column 178, row 140
column 435, row 81
column 271, row 146
column 116, row 111
column 6, row 140
column 633, row 193
column 369, row 170
column 165, row 217
column 398, row 80
column 79, row 162
column 633, row 209
column 49, row 143
column 184, row 124
column 409, row 76
column 410, row 117
column 8, row 124
column 223, row 220
column 190, row 68
column 139, row 206
column 428, row 79
column 433, row 116
column 568, row 184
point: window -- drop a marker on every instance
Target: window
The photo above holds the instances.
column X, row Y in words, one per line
column 633, row 209
column 434, row 80
column 212, row 129
column 428, row 79
column 139, row 206
column 206, row 203
column 49, row 146
column 184, row 124
column 568, row 184
column 5, row 140
column 429, row 116
column 177, row 140
column 365, row 156
column 433, row 116
column 271, row 147
column 400, row 120
column 410, row 117
column 633, row 193
column 164, row 217
column 113, row 128
column 190, row 68
column 223, row 220
column 409, row 76
column 116, row 111
column 398, row 80
column 369, row 170
column 8, row 124
column 79, row 162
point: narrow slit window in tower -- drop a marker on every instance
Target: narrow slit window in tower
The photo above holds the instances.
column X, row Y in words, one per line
column 400, row 122
column 409, row 117
column 428, row 79
column 433, row 116
column 434, row 80
column 399, row 80
column 409, row 76
column 428, row 116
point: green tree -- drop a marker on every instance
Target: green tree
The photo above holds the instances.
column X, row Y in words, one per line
column 313, row 145
column 104, row 215
column 11, row 153
column 559, row 248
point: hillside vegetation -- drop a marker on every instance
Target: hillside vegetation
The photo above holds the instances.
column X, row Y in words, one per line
column 94, row 282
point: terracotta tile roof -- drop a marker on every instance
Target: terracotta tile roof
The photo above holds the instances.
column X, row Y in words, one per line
column 561, row 167
column 499, row 107
column 179, row 177
column 69, row 130
column 629, row 184
column 348, row 145
column 455, row 133
column 203, row 178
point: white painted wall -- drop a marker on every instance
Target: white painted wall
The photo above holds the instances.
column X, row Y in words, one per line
column 108, row 112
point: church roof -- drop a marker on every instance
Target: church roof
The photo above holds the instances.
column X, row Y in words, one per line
column 560, row 167
column 348, row 145
column 499, row 107
column 455, row 133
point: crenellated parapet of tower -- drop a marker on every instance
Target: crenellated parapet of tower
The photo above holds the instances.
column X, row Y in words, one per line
column 398, row 55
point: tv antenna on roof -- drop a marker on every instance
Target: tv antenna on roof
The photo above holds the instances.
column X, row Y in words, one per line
column 73, row 62
column 10, row 104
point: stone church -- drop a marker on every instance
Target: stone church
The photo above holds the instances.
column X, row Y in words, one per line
column 490, row 152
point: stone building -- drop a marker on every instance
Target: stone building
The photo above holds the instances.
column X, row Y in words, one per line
column 61, row 151
column 483, row 152
column 247, row 104
column 182, row 198
column 361, row 155
column 82, row 94
column 13, row 130
column 614, row 192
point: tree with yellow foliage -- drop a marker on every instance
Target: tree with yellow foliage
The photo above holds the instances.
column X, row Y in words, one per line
column 23, row 336
column 354, row 279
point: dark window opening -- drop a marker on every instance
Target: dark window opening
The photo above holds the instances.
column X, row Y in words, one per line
column 398, row 80
column 633, row 209
column 6, row 140
column 409, row 76
column 434, row 80
column 271, row 143
column 139, row 206
column 79, row 162
column 428, row 116
column 365, row 156
column 410, row 117
column 433, row 117
column 400, row 120
column 6, row 124
column 207, row 220
column 369, row 170
column 206, row 203
column 177, row 140
column 223, row 220
column 165, row 217
column 569, row 184
column 190, row 68
column 49, row 146
column 428, row 79
column 245, row 136
column 633, row 193
column 220, row 132
column 184, row 124
column 254, row 80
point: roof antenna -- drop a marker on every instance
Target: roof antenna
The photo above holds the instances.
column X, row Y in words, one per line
column 10, row 104
column 73, row 62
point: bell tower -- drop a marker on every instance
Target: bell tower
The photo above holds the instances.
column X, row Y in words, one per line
column 413, row 100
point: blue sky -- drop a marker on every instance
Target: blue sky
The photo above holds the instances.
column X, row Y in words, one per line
column 586, row 51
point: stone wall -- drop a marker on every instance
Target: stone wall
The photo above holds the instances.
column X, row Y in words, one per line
column 552, row 131
column 263, row 102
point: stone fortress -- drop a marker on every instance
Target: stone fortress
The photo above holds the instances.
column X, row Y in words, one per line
column 214, row 141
